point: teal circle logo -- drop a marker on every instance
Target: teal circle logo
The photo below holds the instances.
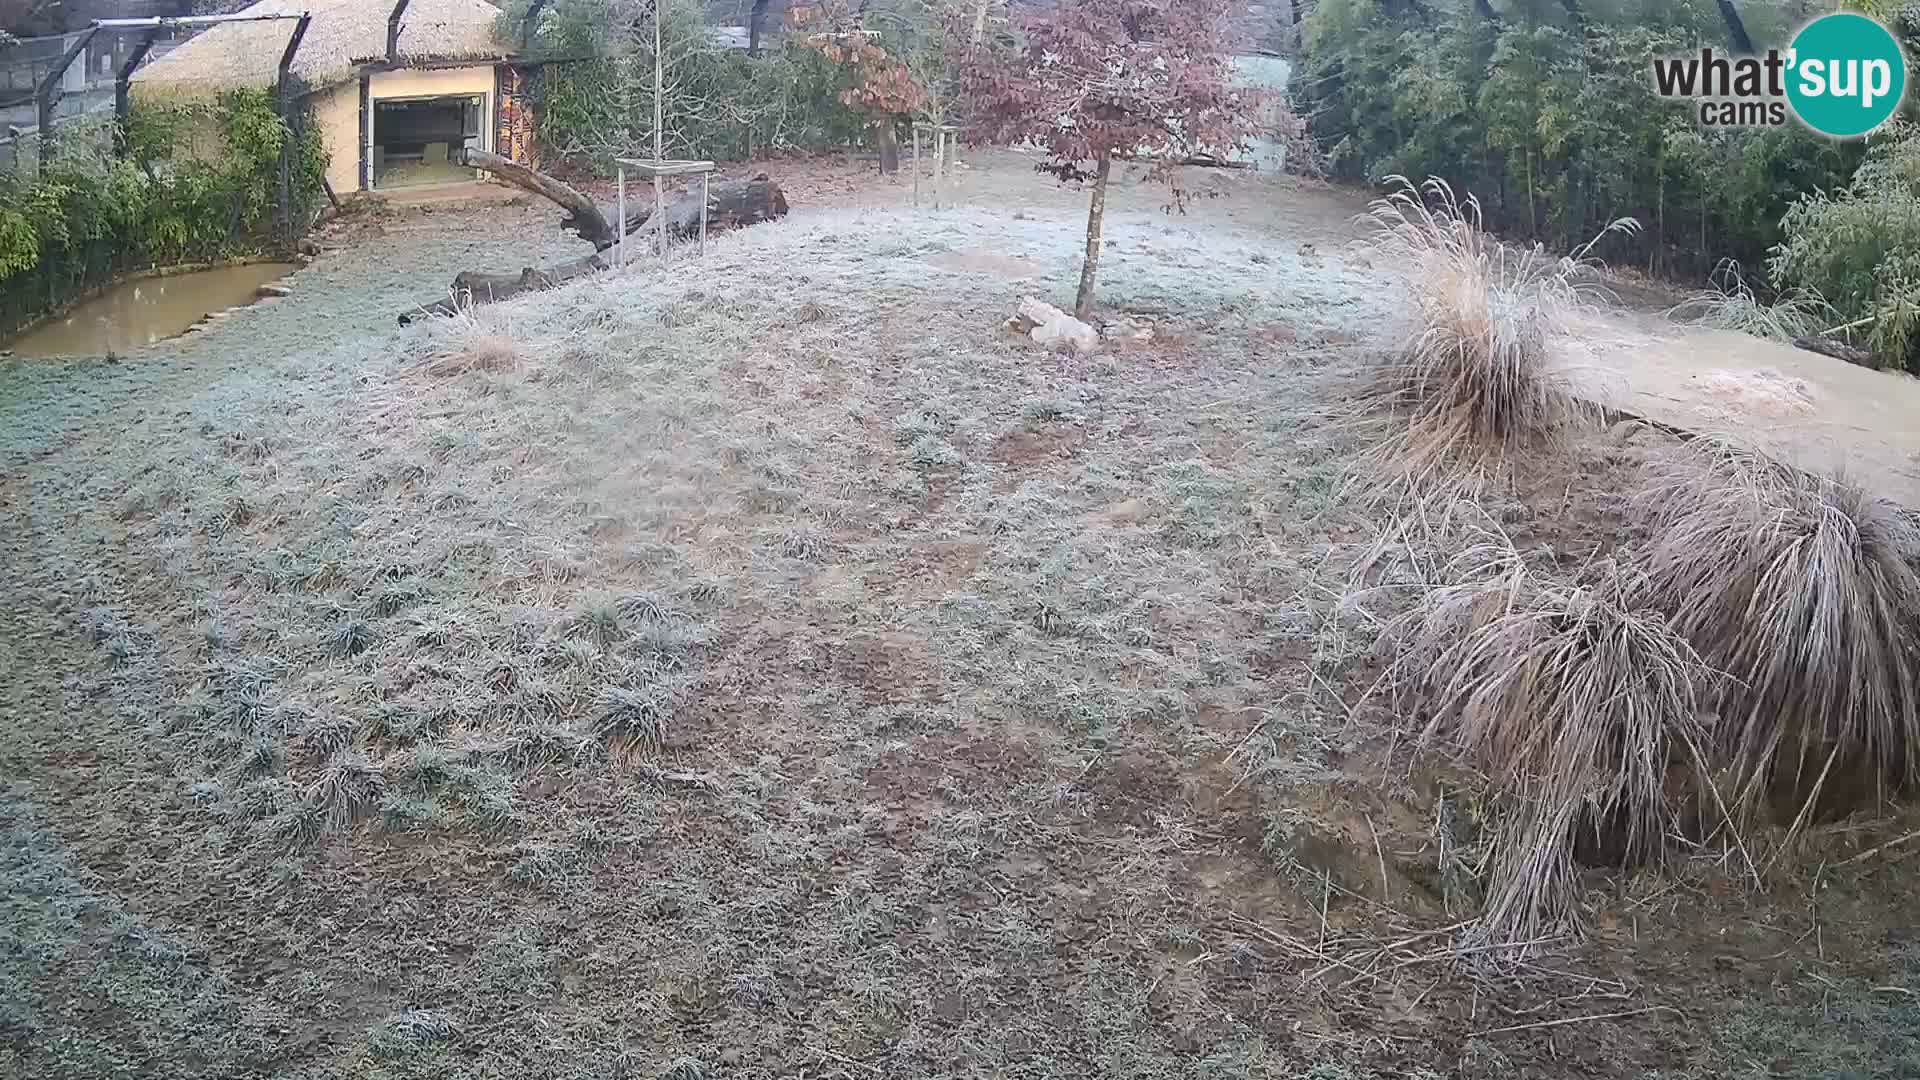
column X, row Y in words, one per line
column 1845, row 75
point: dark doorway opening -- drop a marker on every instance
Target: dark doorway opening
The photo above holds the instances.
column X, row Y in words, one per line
column 416, row 140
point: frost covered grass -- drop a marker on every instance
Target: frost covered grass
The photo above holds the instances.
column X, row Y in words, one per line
column 759, row 667
column 746, row 611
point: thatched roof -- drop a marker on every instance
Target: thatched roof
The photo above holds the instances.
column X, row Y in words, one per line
column 344, row 34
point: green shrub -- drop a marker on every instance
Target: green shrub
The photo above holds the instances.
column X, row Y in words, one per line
column 1859, row 248
column 198, row 180
column 720, row 104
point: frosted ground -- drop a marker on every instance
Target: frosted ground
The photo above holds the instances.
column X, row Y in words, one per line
column 768, row 667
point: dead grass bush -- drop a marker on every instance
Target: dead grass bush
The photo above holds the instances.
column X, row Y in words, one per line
column 473, row 339
column 1803, row 589
column 1578, row 702
column 1476, row 380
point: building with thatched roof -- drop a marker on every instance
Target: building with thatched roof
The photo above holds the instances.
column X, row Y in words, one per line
column 392, row 109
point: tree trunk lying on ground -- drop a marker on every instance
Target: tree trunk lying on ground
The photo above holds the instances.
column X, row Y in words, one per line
column 1839, row 350
column 730, row 205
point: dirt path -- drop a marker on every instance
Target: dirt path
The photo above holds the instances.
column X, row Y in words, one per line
column 1801, row 407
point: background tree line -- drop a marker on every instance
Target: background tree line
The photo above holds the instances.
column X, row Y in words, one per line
column 1546, row 110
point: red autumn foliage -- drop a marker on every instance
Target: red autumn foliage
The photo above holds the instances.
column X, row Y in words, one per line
column 882, row 85
column 1098, row 79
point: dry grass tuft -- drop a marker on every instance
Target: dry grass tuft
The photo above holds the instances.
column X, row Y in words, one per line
column 1476, row 381
column 1729, row 303
column 1804, row 590
column 635, row 718
column 473, row 339
column 349, row 787
column 1580, row 704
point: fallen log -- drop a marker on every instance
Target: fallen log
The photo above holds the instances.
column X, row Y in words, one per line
column 471, row 287
column 731, row 205
column 1840, row 350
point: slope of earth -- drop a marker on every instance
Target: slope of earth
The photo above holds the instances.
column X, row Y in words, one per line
column 770, row 667
column 1799, row 406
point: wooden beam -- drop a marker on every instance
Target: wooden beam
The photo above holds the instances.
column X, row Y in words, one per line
column 393, row 30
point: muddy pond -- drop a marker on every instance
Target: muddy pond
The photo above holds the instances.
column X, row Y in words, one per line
column 135, row 314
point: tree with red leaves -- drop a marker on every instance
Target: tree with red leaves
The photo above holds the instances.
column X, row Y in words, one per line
column 1095, row 81
column 883, row 87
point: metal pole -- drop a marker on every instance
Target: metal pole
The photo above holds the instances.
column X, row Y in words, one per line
column 620, row 237
column 393, row 30
column 528, row 21
column 283, row 86
column 703, row 213
column 171, row 22
column 47, row 94
column 123, row 90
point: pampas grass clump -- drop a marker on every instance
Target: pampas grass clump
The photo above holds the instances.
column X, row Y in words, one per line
column 1475, row 381
column 1804, row 590
column 1579, row 702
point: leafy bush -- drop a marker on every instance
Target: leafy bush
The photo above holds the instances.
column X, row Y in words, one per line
column 1860, row 248
column 198, row 180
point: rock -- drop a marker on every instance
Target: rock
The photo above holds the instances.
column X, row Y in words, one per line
column 275, row 290
column 1049, row 326
column 1128, row 329
column 1626, row 432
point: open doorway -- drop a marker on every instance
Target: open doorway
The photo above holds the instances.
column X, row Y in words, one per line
column 415, row 139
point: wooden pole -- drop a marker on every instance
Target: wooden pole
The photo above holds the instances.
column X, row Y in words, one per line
column 620, row 244
column 939, row 163
column 916, row 165
column 704, row 197
column 659, row 137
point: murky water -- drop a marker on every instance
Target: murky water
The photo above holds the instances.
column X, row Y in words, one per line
column 139, row 313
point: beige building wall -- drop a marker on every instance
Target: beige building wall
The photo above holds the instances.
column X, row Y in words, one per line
column 445, row 82
column 336, row 112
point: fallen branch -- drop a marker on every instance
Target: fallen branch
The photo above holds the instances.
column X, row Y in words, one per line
column 1840, row 350
column 728, row 206
column 1871, row 852
column 1573, row 1020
